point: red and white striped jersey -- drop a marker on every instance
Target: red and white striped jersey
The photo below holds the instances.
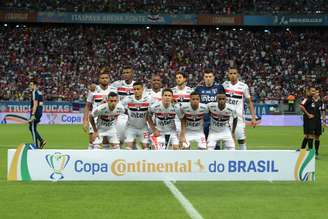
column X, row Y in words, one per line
column 194, row 118
column 220, row 118
column 182, row 95
column 156, row 96
column 107, row 118
column 236, row 94
column 122, row 88
column 98, row 96
column 164, row 117
column 137, row 110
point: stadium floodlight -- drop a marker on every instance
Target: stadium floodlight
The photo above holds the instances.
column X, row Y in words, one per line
column 287, row 29
column 147, row 27
column 241, row 29
column 17, row 25
column 234, row 29
column 266, row 31
column 217, row 28
column 5, row 25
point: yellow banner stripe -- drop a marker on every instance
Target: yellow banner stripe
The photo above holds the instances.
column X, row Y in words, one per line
column 299, row 162
column 12, row 175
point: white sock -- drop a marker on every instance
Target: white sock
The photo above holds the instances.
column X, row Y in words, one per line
column 242, row 146
column 90, row 147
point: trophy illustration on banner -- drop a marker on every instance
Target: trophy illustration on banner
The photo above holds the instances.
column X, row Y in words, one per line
column 57, row 162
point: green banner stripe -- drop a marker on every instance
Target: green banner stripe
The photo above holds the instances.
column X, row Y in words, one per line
column 306, row 161
column 24, row 167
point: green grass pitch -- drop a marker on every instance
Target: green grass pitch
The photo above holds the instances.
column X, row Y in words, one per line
column 153, row 199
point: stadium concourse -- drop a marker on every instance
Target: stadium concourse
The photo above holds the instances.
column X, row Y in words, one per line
column 225, row 7
column 68, row 57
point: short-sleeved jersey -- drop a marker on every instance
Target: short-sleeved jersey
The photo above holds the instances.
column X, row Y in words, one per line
column 309, row 105
column 194, row 118
column 156, row 96
column 236, row 94
column 107, row 118
column 181, row 95
column 208, row 94
column 122, row 88
column 98, row 96
column 164, row 117
column 37, row 95
column 137, row 110
column 220, row 118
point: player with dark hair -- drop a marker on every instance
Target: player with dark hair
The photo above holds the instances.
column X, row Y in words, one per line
column 94, row 99
column 164, row 130
column 308, row 108
column 192, row 123
column 137, row 107
column 36, row 114
column 181, row 93
column 155, row 90
column 237, row 93
column 220, row 129
column 124, row 86
column 208, row 91
column 107, row 115
column 320, row 112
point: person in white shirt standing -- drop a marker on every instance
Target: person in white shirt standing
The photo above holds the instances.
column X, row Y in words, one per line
column 181, row 93
column 124, row 88
column 107, row 114
column 220, row 129
column 155, row 90
column 94, row 99
column 237, row 92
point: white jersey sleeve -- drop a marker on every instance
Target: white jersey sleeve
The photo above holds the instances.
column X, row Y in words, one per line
column 246, row 92
column 90, row 97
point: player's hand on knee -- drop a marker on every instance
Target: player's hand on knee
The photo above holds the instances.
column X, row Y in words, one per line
column 94, row 136
column 156, row 132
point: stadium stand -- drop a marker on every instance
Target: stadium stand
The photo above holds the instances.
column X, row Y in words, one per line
column 69, row 57
column 225, row 7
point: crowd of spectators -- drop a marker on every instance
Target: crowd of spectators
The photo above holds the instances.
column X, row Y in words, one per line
column 274, row 63
column 222, row 7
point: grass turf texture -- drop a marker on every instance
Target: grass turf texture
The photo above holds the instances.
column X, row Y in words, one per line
column 153, row 199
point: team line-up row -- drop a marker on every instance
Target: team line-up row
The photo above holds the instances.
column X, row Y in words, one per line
column 125, row 113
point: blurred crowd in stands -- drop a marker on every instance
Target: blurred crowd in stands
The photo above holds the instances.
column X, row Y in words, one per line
column 221, row 7
column 274, row 62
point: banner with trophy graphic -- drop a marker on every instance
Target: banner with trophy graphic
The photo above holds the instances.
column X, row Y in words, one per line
column 28, row 164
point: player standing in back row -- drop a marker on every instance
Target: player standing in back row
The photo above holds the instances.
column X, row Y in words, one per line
column 208, row 92
column 237, row 92
column 181, row 94
column 94, row 99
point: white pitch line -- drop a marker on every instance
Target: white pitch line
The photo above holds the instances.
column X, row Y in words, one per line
column 192, row 212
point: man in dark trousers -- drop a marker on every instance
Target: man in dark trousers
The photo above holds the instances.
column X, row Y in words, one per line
column 308, row 108
column 36, row 114
column 320, row 113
